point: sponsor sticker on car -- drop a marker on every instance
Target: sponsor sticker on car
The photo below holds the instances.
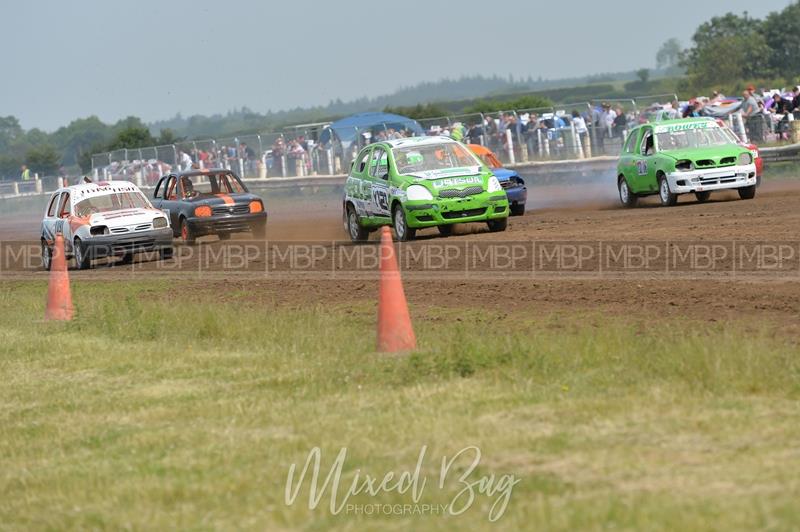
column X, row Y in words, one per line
column 705, row 124
column 457, row 181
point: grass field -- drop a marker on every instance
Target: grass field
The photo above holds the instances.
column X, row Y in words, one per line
column 154, row 412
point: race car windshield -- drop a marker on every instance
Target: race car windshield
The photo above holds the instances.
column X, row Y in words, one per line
column 691, row 138
column 432, row 157
column 208, row 185
column 112, row 201
column 731, row 135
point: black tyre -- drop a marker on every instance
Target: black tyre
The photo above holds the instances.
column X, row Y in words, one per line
column 517, row 209
column 747, row 192
column 165, row 253
column 353, row 227
column 82, row 259
column 626, row 197
column 187, row 234
column 224, row 236
column 497, row 226
column 402, row 231
column 445, row 230
column 668, row 198
column 47, row 256
column 702, row 197
column 126, row 258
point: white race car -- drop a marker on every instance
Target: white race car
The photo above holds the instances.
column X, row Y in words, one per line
column 104, row 219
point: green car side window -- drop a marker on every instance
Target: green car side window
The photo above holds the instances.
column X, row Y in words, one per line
column 630, row 145
column 647, row 146
column 379, row 163
column 373, row 161
column 361, row 162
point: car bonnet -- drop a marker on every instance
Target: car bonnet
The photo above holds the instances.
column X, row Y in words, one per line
column 124, row 217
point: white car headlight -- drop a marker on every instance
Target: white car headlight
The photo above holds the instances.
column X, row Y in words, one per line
column 98, row 230
column 159, row 223
column 745, row 158
column 494, row 185
column 418, row 192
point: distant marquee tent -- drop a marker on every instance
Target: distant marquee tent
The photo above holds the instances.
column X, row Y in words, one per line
column 348, row 129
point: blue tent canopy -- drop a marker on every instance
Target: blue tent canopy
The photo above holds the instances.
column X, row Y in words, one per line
column 346, row 129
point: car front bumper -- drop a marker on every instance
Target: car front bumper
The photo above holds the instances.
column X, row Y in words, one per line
column 517, row 195
column 234, row 223
column 477, row 208
column 712, row 179
column 110, row 245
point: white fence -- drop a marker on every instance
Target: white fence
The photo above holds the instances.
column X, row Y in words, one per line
column 787, row 153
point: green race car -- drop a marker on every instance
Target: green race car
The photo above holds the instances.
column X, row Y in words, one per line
column 691, row 155
column 419, row 182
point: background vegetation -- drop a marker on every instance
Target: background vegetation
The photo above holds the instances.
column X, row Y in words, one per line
column 726, row 53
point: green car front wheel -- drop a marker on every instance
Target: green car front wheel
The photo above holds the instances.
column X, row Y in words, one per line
column 403, row 232
column 497, row 226
column 445, row 230
column 668, row 198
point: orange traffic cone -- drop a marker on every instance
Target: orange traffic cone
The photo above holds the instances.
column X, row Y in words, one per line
column 394, row 324
column 59, row 298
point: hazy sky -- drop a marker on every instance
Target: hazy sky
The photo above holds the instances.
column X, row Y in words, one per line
column 64, row 59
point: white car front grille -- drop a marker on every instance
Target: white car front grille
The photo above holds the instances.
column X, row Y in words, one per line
column 131, row 229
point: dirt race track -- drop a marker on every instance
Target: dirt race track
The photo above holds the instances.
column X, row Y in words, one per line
column 726, row 259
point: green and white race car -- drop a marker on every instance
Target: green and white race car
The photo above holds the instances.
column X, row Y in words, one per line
column 691, row 155
column 420, row 182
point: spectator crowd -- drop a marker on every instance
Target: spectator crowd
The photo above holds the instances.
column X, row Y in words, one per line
column 601, row 128
column 585, row 130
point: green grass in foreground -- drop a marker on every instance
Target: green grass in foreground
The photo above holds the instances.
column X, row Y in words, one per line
column 148, row 414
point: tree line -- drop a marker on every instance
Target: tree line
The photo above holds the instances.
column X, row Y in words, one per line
column 730, row 49
column 69, row 146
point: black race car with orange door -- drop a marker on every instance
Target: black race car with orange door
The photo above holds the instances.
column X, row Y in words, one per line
column 209, row 202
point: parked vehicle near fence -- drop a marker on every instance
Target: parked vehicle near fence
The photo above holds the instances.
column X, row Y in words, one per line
column 209, row 202
column 674, row 157
column 103, row 219
column 512, row 183
column 420, row 182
